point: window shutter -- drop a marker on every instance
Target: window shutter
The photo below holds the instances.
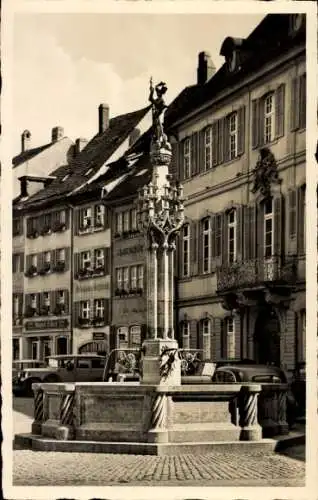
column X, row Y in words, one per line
column 278, row 226
column 226, row 139
column 194, row 229
column 67, row 301
column 76, row 264
column 67, row 218
column 259, row 250
column 20, row 304
column 76, row 313
column 221, row 134
column 239, row 233
column 214, row 144
column 193, row 335
column 40, row 260
column 302, row 101
column 67, row 258
column 261, row 121
column 280, row 110
column 28, row 262
column 22, row 262
column 107, row 217
column 247, row 233
column 201, row 151
column 224, row 256
column 291, row 221
column 294, row 105
column 301, row 238
column 218, row 338
column 53, row 300
column 27, row 301
column 107, row 260
column 200, row 246
column 174, row 159
column 194, row 154
column 241, row 131
column 181, row 161
column 237, row 334
column 255, row 123
column 39, row 301
column 107, row 311
column 76, row 216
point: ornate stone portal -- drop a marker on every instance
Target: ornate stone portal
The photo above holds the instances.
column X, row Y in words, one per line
column 160, row 217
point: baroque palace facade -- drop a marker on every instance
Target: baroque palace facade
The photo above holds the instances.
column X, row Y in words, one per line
column 238, row 139
column 240, row 154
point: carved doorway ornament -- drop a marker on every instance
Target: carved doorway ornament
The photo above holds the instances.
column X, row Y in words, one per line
column 265, row 173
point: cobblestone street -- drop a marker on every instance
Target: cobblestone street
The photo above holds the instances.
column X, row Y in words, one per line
column 214, row 469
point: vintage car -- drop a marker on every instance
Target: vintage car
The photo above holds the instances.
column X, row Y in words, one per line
column 61, row 368
column 19, row 365
column 249, row 373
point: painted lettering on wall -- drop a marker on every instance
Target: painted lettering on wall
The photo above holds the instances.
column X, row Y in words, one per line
column 130, row 250
column 49, row 324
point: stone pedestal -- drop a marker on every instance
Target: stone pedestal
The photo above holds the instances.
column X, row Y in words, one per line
column 152, row 362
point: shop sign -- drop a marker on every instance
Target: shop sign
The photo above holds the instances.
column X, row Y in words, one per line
column 46, row 325
column 130, row 250
column 98, row 336
column 92, row 287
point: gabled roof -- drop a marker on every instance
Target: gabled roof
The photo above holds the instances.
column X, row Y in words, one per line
column 270, row 39
column 94, row 155
column 30, row 153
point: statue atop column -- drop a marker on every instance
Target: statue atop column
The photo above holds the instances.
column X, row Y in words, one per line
column 158, row 108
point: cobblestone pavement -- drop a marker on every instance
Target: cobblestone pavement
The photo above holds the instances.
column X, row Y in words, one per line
column 213, row 469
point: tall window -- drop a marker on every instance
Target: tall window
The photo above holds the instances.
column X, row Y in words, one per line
column 122, row 335
column 61, row 297
column 99, row 215
column 46, row 299
column 133, row 219
column 186, row 250
column 34, row 301
column 99, row 308
column 186, row 335
column 140, row 277
column 206, row 243
column 119, row 278
column 62, row 216
column 34, row 349
column 230, row 326
column 218, row 235
column 16, row 305
column 126, row 278
column 126, row 221
column 292, row 207
column 133, row 277
column 85, row 260
column 84, row 309
column 47, row 348
column 206, row 338
column 269, row 118
column 187, row 158
column 233, row 135
column 86, row 217
column 119, row 222
column 232, row 236
column 99, row 257
column 47, row 257
column 61, row 255
column 208, row 148
column 268, row 228
column 34, row 260
column 135, row 335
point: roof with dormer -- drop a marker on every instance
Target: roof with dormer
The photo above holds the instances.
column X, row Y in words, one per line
column 270, row 39
column 73, row 177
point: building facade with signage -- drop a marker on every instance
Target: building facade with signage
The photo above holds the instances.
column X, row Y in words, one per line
column 62, row 239
column 239, row 149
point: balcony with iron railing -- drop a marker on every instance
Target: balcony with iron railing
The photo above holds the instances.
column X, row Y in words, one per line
column 275, row 270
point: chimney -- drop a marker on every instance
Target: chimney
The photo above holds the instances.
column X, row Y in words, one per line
column 103, row 117
column 206, row 68
column 57, row 133
column 80, row 144
column 25, row 141
column 135, row 134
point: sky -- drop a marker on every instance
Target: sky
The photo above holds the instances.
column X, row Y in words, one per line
column 65, row 65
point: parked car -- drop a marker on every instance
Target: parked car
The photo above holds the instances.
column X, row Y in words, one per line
column 61, row 368
column 19, row 365
column 259, row 374
column 298, row 387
